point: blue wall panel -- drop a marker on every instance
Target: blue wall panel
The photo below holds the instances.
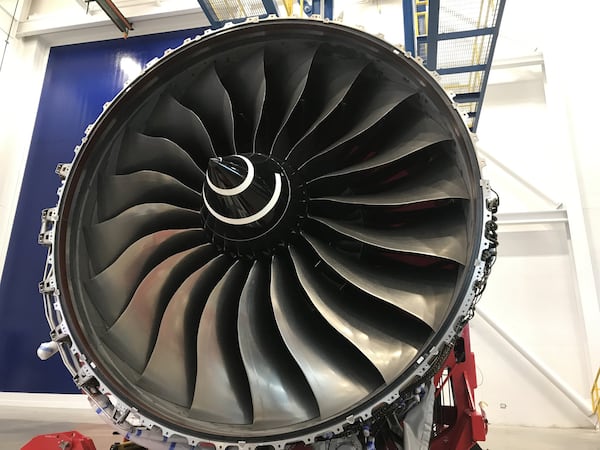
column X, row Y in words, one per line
column 79, row 80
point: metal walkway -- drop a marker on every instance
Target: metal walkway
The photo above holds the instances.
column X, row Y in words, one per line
column 456, row 38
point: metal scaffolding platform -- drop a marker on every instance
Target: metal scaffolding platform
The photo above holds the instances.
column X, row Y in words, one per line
column 456, row 38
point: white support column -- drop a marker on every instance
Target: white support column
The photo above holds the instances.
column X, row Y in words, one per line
column 21, row 80
column 572, row 100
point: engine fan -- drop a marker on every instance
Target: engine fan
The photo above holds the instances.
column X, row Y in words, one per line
column 270, row 235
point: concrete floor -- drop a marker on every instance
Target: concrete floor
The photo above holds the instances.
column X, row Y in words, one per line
column 19, row 424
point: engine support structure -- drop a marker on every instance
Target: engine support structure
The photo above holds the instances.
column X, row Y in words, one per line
column 457, row 423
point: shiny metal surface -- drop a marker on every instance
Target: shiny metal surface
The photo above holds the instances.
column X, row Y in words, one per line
column 444, row 239
column 280, row 393
column 170, row 370
column 140, row 152
column 335, row 381
column 438, row 184
column 175, row 122
column 418, row 293
column 389, row 354
column 209, row 100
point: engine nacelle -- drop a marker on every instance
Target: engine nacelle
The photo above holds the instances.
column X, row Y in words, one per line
column 272, row 235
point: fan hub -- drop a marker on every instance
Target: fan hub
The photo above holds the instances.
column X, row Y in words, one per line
column 246, row 199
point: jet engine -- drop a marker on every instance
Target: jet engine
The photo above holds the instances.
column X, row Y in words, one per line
column 273, row 235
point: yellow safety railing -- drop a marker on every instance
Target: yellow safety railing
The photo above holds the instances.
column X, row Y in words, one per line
column 596, row 395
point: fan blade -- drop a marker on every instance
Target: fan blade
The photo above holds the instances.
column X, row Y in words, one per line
column 140, row 152
column 331, row 83
column 376, row 104
column 408, row 141
column 222, row 392
column 337, row 379
column 171, row 120
column 437, row 184
column 423, row 296
column 445, row 238
column 210, row 101
column 287, row 74
column 247, row 86
column 108, row 239
column 280, row 393
column 385, row 352
column 135, row 331
column 119, row 192
column 171, row 370
column 112, row 288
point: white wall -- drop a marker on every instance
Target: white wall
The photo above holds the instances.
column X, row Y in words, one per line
column 540, row 129
column 21, row 81
column 533, row 291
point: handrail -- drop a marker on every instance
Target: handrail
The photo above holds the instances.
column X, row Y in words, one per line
column 596, row 395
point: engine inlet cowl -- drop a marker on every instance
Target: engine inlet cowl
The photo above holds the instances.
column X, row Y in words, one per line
column 274, row 230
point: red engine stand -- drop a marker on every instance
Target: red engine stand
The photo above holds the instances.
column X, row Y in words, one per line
column 457, row 425
column 69, row 440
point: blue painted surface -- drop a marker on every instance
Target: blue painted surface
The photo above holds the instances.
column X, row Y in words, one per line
column 79, row 80
column 409, row 25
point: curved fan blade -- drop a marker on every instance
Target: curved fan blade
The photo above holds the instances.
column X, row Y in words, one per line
column 112, row 288
column 210, row 101
column 376, row 102
column 180, row 125
column 287, row 71
column 439, row 183
column 171, row 370
column 410, row 140
column 280, row 393
column 139, row 152
column 132, row 335
column 445, row 238
column 119, row 192
column 247, row 87
column 336, row 376
column 108, row 239
column 222, row 393
column 385, row 352
column 420, row 294
column 328, row 83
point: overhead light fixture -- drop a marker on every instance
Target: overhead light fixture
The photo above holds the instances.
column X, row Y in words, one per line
column 116, row 16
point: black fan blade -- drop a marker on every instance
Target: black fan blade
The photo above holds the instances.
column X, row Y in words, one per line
column 287, row 73
column 390, row 355
column 210, row 101
column 112, row 288
column 422, row 295
column 108, row 239
column 180, row 125
column 437, row 183
column 280, row 393
column 444, row 238
column 410, row 140
column 134, row 333
column 247, row 86
column 376, row 102
column 337, row 377
column 328, row 84
column 222, row 392
column 171, row 370
column 139, row 152
column 120, row 192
